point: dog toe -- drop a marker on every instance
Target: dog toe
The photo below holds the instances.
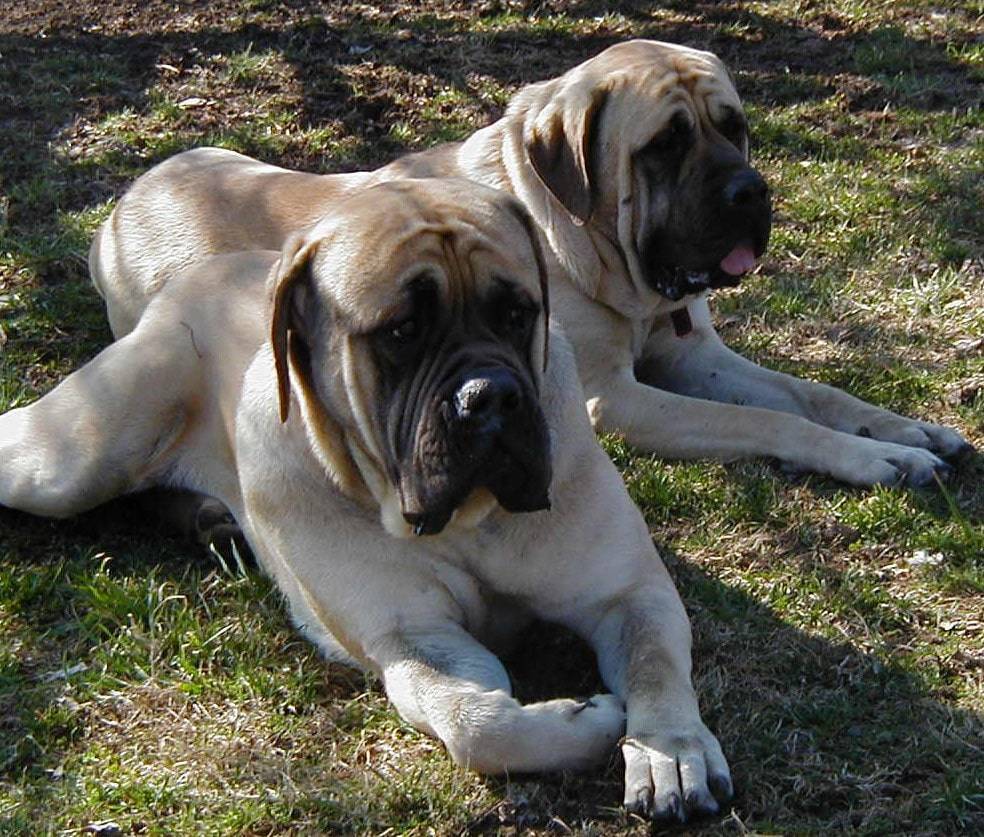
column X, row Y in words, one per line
column 668, row 808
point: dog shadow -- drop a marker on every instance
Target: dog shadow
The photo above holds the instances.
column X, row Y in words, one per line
column 839, row 729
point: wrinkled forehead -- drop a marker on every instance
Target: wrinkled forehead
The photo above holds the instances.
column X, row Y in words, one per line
column 650, row 80
column 461, row 243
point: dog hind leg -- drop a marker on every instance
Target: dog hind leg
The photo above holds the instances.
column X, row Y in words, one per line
column 109, row 428
column 198, row 518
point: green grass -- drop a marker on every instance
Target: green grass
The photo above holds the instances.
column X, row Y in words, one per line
column 146, row 683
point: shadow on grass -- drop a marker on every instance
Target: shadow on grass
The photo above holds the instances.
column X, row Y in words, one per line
column 818, row 732
column 820, row 735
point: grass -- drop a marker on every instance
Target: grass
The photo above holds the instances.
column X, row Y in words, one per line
column 839, row 641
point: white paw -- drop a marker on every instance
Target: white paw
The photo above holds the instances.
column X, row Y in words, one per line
column 601, row 719
column 915, row 434
column 869, row 462
column 674, row 775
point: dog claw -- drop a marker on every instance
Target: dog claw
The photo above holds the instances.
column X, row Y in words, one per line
column 642, row 805
column 721, row 786
column 670, row 810
column 586, row 704
column 700, row 803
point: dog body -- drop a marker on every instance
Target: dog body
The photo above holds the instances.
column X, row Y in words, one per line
column 395, row 376
column 634, row 166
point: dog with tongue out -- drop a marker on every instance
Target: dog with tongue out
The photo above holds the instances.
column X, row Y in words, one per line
column 739, row 261
column 634, row 165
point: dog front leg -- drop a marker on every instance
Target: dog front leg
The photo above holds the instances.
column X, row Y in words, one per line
column 679, row 427
column 699, row 364
column 674, row 766
column 445, row 683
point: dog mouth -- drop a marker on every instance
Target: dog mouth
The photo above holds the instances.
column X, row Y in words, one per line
column 483, row 435
column 519, row 474
column 428, row 523
column 675, row 282
column 518, row 483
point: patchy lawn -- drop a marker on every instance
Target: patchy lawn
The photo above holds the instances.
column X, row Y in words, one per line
column 839, row 633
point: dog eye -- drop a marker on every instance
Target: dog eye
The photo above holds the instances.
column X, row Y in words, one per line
column 674, row 137
column 515, row 322
column 518, row 319
column 404, row 332
column 510, row 313
column 732, row 127
column 732, row 131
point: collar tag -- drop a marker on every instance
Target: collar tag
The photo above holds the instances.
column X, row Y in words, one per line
column 682, row 323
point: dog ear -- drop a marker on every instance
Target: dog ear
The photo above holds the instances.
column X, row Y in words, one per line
column 559, row 146
column 287, row 286
column 285, row 276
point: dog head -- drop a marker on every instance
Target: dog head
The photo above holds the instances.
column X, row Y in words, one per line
column 648, row 144
column 411, row 325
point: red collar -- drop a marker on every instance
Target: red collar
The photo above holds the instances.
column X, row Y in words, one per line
column 682, row 324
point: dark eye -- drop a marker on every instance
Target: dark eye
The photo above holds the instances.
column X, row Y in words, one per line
column 518, row 319
column 674, row 137
column 404, row 332
column 732, row 127
column 515, row 323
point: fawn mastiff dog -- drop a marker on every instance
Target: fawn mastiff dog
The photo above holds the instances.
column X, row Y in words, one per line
column 635, row 167
column 377, row 406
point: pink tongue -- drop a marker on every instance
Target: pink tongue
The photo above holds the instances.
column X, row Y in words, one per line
column 739, row 261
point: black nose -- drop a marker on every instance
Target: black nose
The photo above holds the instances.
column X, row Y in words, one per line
column 744, row 188
column 485, row 393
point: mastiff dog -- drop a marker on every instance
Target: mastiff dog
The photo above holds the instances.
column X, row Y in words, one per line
column 403, row 440
column 635, row 167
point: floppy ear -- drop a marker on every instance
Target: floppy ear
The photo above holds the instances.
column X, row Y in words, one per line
column 559, row 145
column 291, row 268
column 286, row 282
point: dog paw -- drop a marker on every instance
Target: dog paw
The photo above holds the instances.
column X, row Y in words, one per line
column 603, row 718
column 558, row 734
column 868, row 462
column 217, row 530
column 676, row 775
column 916, row 434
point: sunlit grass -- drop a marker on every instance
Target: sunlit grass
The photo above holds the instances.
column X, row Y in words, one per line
column 838, row 637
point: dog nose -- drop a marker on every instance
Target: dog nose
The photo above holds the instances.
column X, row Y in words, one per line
column 487, row 392
column 745, row 187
